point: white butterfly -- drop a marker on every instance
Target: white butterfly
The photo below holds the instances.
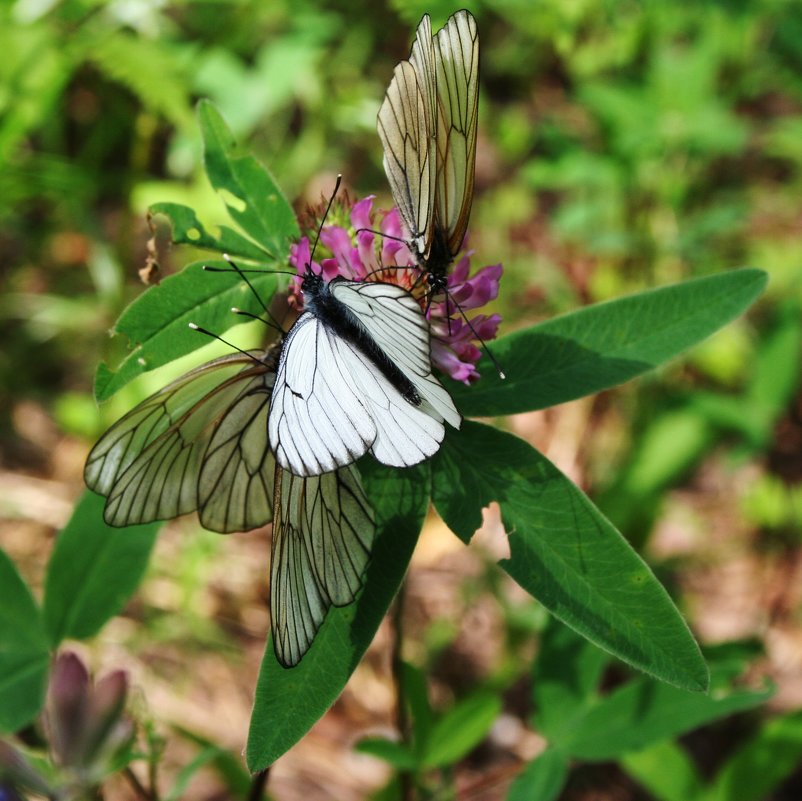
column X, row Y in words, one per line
column 427, row 125
column 355, row 376
column 201, row 444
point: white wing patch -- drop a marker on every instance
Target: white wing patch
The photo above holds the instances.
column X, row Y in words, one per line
column 332, row 404
column 394, row 319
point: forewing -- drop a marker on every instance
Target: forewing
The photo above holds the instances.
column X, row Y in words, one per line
column 331, row 404
column 456, row 47
column 406, row 125
column 323, row 534
column 317, row 419
column 394, row 319
column 422, row 59
column 148, row 464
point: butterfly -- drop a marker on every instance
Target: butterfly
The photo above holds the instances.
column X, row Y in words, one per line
column 201, row 444
column 427, row 125
column 355, row 376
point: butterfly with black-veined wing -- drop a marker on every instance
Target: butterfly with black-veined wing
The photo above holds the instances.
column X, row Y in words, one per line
column 427, row 125
column 354, row 376
column 201, row 444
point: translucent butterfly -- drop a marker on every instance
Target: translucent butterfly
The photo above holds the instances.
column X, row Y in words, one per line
column 427, row 125
column 201, row 444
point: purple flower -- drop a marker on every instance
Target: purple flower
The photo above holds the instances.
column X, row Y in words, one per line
column 365, row 256
column 88, row 734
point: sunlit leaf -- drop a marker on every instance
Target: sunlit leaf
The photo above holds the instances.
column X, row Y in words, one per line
column 252, row 197
column 600, row 346
column 157, row 322
column 289, row 700
column 565, row 552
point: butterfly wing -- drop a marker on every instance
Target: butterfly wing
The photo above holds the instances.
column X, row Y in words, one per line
column 331, row 404
column 151, row 464
column 456, row 47
column 323, row 533
column 427, row 125
column 395, row 321
column 317, row 421
column 406, row 126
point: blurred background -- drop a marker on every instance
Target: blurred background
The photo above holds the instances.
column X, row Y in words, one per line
column 622, row 145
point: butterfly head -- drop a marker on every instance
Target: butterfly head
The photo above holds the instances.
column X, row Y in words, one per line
column 312, row 282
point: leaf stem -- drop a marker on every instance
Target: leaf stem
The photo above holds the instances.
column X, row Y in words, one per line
column 401, row 711
column 258, row 784
column 137, row 785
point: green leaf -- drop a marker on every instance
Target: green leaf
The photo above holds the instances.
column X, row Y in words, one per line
column 208, row 755
column 227, row 765
column 149, row 68
column 24, row 650
column 460, row 730
column 567, row 672
column 666, row 771
column 187, row 229
column 643, row 711
column 393, row 753
column 417, row 696
column 93, row 571
column 542, row 779
column 158, row 321
column 565, row 552
column 600, row 346
column 252, row 197
column 289, row 701
column 759, row 765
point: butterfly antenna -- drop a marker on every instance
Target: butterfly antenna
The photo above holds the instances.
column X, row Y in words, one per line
column 382, row 235
column 323, row 220
column 210, row 268
column 211, row 334
column 271, row 322
column 501, row 374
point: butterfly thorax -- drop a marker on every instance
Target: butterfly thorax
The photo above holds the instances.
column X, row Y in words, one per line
column 438, row 261
column 338, row 318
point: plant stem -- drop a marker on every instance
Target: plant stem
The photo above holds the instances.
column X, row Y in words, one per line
column 139, row 788
column 258, row 784
column 402, row 717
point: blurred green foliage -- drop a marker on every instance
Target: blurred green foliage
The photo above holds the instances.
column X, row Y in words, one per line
column 623, row 144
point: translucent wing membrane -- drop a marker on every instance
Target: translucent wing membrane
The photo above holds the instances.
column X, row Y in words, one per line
column 436, row 90
column 457, row 63
column 409, row 152
column 201, row 444
column 332, row 403
column 323, row 534
column 195, row 445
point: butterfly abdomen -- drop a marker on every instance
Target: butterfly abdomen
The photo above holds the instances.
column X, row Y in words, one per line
column 338, row 318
